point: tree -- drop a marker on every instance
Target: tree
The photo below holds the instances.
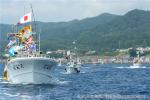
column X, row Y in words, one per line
column 132, row 52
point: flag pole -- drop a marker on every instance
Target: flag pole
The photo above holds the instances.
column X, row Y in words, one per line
column 24, row 14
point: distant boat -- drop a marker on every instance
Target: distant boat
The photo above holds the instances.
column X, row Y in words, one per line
column 25, row 63
column 59, row 63
column 74, row 62
column 136, row 62
column 73, row 67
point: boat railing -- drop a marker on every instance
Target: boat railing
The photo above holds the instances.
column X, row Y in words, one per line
column 27, row 54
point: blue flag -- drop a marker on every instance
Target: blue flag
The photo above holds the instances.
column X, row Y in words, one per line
column 11, row 51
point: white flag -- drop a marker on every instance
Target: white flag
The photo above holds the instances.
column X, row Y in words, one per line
column 26, row 18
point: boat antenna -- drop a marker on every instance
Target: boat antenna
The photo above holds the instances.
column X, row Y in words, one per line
column 39, row 39
column 33, row 17
column 0, row 43
column 24, row 9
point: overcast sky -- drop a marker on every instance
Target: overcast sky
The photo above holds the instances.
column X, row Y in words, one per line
column 65, row 10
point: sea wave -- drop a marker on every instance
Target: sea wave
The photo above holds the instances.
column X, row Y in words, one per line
column 11, row 95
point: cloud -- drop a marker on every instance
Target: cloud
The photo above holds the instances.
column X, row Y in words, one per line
column 64, row 10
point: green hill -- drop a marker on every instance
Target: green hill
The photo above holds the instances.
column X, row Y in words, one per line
column 130, row 30
column 103, row 32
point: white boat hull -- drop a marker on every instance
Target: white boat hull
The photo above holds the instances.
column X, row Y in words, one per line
column 30, row 70
column 72, row 69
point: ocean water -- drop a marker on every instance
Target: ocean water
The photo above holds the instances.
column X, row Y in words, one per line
column 95, row 82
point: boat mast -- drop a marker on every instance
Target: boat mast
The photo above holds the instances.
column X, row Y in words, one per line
column 0, row 42
column 39, row 39
column 24, row 6
column 38, row 42
column 75, row 49
column 33, row 18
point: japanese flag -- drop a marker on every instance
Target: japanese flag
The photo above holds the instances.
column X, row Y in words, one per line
column 26, row 18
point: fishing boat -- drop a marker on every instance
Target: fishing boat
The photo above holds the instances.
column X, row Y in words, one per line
column 74, row 62
column 73, row 66
column 26, row 64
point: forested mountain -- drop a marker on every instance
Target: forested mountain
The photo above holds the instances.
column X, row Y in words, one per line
column 103, row 32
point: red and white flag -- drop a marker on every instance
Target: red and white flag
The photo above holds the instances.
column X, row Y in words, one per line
column 26, row 18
